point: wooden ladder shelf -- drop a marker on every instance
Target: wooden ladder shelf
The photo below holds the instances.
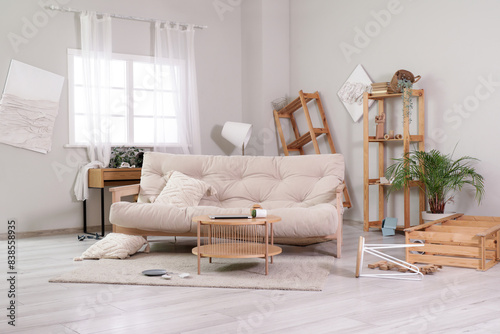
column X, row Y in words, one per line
column 310, row 136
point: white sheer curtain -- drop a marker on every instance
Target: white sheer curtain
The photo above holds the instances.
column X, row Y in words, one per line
column 96, row 55
column 176, row 95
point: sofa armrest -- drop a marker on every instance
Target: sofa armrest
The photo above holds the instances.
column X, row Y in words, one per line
column 340, row 188
column 340, row 216
column 119, row 192
column 339, row 191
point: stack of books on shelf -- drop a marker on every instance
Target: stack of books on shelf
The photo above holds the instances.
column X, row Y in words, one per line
column 381, row 88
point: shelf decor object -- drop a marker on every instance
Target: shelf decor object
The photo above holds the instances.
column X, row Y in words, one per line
column 351, row 92
column 402, row 75
column 381, row 163
column 402, row 82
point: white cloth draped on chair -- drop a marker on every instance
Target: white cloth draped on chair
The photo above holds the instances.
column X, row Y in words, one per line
column 96, row 55
column 175, row 90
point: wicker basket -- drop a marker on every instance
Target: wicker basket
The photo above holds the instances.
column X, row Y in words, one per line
column 402, row 75
column 279, row 103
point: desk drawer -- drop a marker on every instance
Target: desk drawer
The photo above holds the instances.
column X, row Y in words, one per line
column 122, row 175
column 101, row 177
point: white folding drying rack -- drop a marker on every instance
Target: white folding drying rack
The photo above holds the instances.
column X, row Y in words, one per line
column 373, row 249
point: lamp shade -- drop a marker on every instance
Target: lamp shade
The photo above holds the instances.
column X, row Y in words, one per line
column 237, row 134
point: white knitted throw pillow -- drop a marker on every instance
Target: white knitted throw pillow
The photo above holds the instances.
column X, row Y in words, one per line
column 115, row 246
column 183, row 191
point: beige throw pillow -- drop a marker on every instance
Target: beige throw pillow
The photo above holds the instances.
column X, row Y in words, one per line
column 115, row 246
column 183, row 191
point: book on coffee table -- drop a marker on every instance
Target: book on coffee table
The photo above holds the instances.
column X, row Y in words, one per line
column 229, row 216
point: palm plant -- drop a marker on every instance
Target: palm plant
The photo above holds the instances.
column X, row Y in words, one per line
column 439, row 176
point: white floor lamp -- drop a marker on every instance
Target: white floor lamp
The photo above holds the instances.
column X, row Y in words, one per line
column 237, row 134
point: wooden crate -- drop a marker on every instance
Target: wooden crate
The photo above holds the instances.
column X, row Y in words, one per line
column 458, row 240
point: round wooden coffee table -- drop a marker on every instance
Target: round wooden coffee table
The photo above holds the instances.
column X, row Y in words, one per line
column 236, row 238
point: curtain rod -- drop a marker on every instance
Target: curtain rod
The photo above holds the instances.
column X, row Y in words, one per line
column 134, row 18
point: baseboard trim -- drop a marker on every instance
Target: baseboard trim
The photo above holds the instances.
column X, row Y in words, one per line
column 43, row 233
column 94, row 229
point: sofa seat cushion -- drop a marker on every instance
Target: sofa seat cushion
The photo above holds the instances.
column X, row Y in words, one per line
column 166, row 218
column 150, row 216
column 297, row 222
column 318, row 220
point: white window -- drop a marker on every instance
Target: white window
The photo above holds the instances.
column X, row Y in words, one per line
column 132, row 100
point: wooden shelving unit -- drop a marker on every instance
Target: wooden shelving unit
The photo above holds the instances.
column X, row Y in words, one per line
column 407, row 138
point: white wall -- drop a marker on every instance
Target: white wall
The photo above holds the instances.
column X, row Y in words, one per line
column 266, row 68
column 452, row 44
column 257, row 50
column 36, row 189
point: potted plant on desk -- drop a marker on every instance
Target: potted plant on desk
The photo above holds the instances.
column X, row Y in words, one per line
column 131, row 156
column 438, row 175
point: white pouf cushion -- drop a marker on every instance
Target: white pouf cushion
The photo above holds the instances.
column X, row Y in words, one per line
column 115, row 246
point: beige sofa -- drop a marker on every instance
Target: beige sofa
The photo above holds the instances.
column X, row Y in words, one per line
column 305, row 191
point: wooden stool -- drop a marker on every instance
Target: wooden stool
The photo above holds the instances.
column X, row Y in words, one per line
column 373, row 249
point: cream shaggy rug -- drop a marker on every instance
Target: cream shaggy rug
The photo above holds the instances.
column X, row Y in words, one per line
column 288, row 272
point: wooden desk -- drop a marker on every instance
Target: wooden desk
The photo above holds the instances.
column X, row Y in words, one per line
column 106, row 177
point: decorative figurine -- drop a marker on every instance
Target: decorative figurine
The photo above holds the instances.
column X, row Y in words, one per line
column 380, row 120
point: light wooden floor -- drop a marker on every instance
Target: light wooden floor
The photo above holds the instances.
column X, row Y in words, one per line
column 452, row 301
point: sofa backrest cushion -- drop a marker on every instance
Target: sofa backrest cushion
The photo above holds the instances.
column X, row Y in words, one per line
column 241, row 181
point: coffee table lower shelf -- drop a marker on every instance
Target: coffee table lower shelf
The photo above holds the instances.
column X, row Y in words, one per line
column 237, row 251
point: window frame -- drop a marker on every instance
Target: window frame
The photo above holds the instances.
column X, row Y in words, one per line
column 129, row 93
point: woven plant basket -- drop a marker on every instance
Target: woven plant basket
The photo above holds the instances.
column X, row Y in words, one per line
column 402, row 75
column 279, row 103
